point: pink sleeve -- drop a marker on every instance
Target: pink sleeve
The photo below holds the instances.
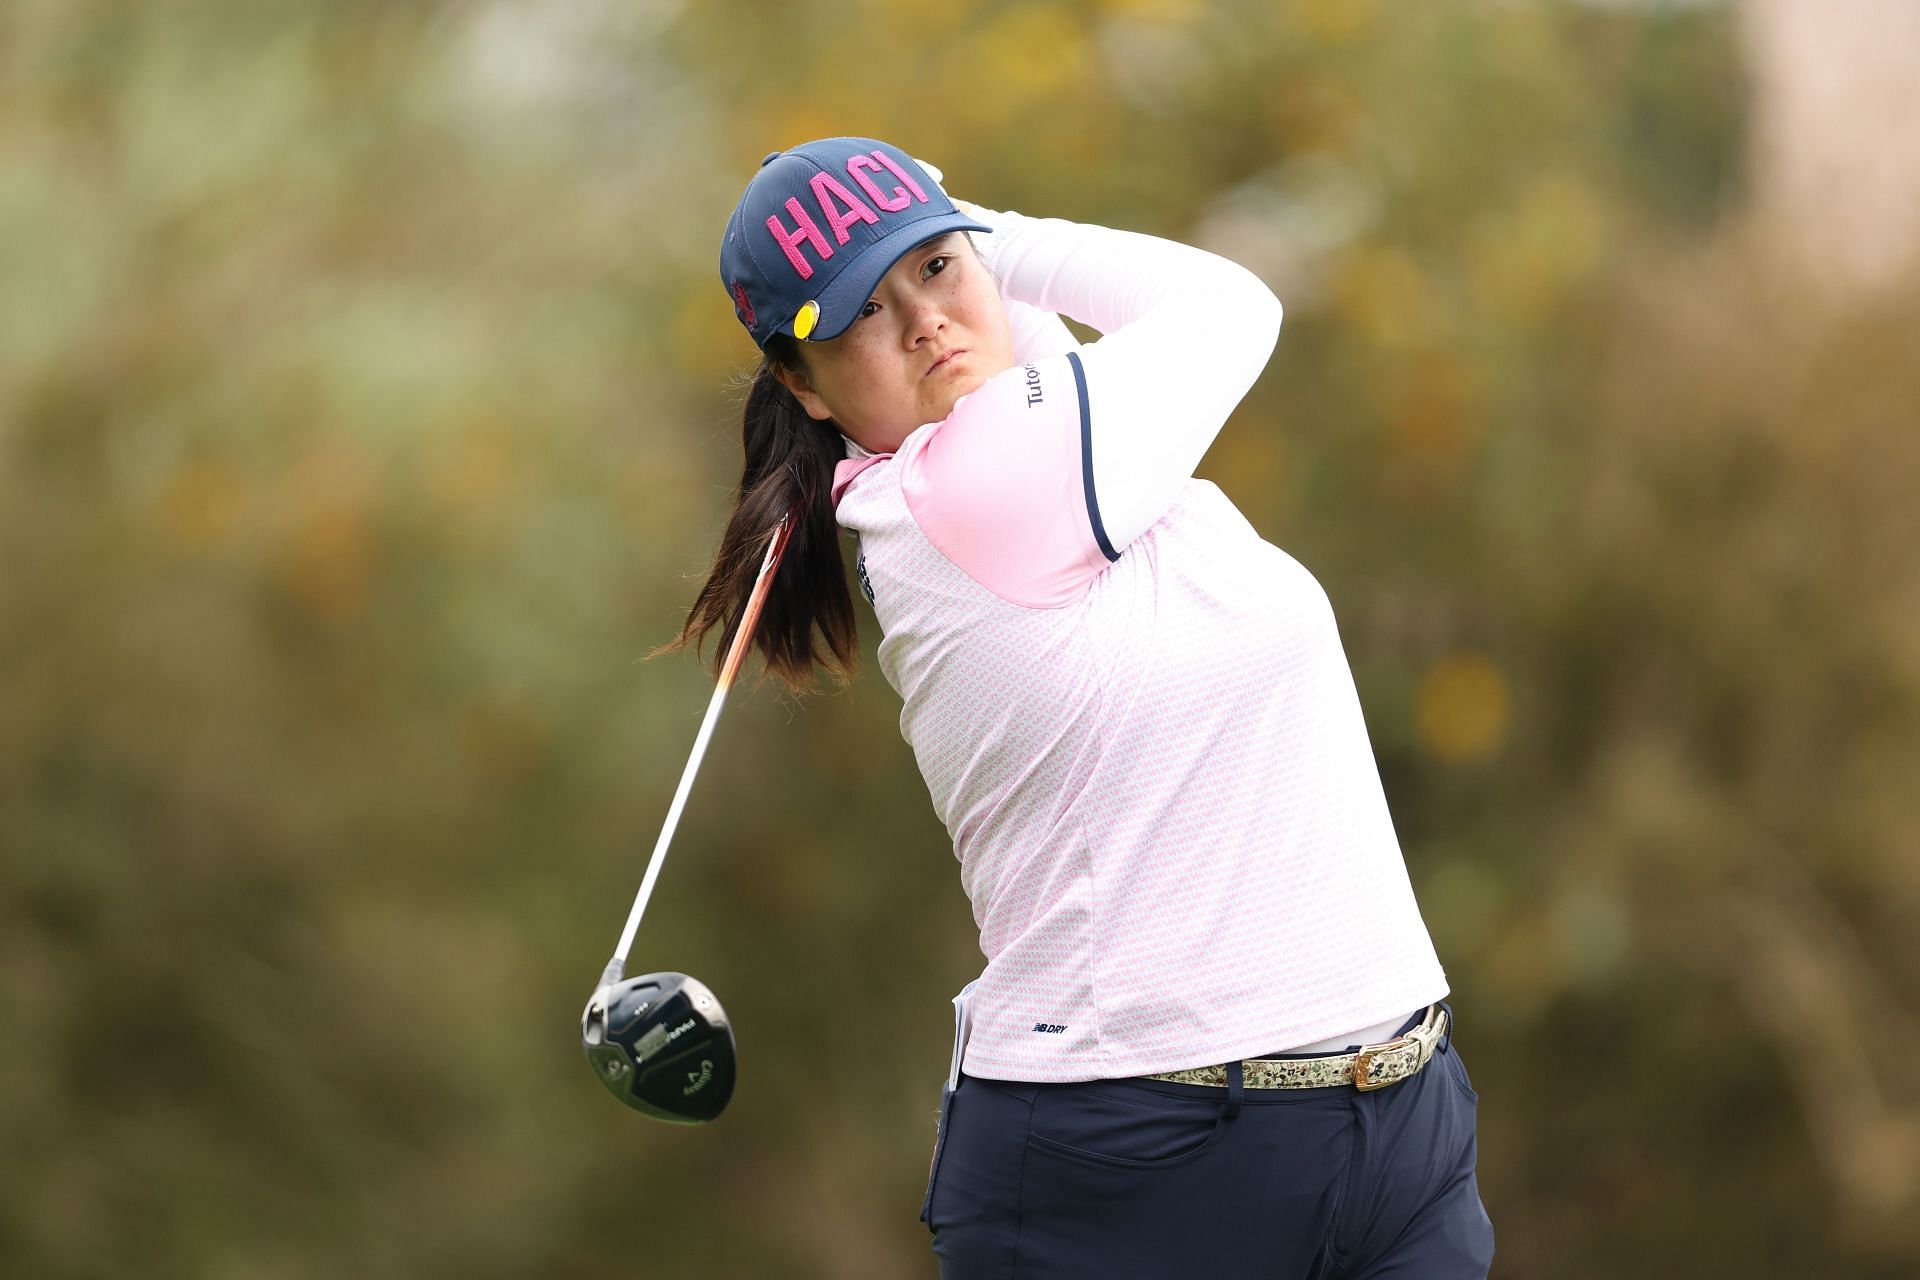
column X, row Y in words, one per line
column 1003, row 486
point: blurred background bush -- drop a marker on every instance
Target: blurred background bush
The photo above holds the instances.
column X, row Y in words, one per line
column 368, row 412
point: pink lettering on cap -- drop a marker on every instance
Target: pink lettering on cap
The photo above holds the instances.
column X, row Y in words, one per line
column 825, row 188
column 892, row 204
column 806, row 230
column 901, row 174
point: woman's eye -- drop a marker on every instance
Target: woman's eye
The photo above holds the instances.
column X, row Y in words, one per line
column 936, row 265
column 869, row 309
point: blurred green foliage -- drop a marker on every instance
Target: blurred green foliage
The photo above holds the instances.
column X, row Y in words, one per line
column 365, row 418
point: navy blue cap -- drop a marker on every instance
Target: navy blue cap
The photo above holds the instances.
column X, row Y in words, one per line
column 817, row 229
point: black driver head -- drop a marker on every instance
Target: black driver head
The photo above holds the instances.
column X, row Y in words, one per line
column 662, row 1044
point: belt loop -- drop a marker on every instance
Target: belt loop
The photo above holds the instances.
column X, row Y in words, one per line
column 1446, row 1036
column 1236, row 1081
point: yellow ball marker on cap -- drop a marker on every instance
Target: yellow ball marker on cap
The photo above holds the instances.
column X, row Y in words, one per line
column 808, row 316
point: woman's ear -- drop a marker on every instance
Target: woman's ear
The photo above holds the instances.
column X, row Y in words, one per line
column 795, row 380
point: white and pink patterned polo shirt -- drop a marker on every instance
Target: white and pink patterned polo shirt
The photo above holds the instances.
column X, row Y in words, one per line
column 1133, row 714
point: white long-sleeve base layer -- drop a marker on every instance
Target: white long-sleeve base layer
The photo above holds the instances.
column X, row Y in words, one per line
column 1133, row 714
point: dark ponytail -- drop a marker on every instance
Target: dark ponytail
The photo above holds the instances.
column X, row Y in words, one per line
column 790, row 459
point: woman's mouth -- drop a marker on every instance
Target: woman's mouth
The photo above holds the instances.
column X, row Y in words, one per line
column 944, row 361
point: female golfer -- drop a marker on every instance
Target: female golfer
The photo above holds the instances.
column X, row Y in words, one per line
column 1208, row 1038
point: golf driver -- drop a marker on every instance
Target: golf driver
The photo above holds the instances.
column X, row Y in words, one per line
column 661, row 1043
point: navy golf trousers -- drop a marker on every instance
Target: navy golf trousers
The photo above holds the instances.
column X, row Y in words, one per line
column 1115, row 1179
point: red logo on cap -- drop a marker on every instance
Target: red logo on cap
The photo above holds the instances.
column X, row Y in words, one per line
column 741, row 305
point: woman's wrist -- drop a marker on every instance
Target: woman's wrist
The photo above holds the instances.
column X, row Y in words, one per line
column 990, row 244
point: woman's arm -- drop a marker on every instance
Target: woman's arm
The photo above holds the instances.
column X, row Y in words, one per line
column 1042, row 476
column 1186, row 334
column 1037, row 334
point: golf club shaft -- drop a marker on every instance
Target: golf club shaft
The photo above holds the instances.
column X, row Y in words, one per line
column 736, row 653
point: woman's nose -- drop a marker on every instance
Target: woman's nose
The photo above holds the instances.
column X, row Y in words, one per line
column 925, row 318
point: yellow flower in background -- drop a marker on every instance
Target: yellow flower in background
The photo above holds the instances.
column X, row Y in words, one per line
column 1462, row 709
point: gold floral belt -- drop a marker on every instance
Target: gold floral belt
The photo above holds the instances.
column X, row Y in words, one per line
column 1374, row 1066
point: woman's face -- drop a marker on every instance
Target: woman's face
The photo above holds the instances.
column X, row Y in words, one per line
column 934, row 330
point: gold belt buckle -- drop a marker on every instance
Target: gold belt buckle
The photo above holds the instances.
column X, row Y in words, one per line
column 1363, row 1065
column 1422, row 1037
